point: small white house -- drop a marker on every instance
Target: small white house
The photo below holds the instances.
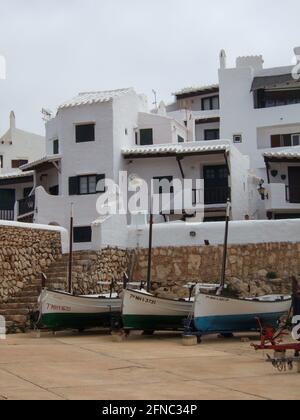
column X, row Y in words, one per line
column 17, row 147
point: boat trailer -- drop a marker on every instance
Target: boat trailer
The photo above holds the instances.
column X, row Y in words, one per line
column 273, row 340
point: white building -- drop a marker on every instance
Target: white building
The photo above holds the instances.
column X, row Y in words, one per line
column 225, row 134
column 96, row 135
column 17, row 147
column 256, row 108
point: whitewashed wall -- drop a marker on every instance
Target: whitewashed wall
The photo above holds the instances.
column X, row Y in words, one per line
column 242, row 232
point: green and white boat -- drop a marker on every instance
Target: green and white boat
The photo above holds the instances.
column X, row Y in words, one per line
column 143, row 311
column 61, row 310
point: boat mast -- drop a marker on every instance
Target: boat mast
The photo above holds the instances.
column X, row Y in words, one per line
column 225, row 249
column 150, row 250
column 70, row 283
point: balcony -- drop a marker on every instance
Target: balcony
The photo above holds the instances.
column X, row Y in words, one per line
column 292, row 194
column 282, row 197
column 26, row 206
column 216, row 195
column 7, row 215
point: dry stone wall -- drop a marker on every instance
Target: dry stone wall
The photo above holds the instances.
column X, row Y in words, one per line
column 24, row 255
column 254, row 269
column 90, row 268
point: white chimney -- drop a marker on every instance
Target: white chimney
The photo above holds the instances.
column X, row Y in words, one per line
column 297, row 53
column 254, row 61
column 12, row 119
column 223, row 59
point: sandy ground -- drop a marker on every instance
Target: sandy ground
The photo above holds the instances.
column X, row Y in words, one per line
column 92, row 366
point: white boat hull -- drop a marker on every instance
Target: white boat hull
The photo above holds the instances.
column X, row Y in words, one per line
column 60, row 310
column 224, row 315
column 142, row 311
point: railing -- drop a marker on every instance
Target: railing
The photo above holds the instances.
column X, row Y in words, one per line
column 7, row 215
column 216, row 195
column 26, row 205
column 292, row 194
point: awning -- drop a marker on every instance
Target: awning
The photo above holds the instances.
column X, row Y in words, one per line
column 45, row 163
column 269, row 82
column 283, row 156
column 16, row 178
column 173, row 151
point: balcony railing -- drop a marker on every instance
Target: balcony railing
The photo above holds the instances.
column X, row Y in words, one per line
column 216, row 195
column 26, row 205
column 292, row 194
column 7, row 215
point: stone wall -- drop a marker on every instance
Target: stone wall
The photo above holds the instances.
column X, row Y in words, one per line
column 90, row 268
column 24, row 254
column 252, row 269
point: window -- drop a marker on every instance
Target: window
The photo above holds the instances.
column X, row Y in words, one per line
column 237, row 138
column 55, row 147
column 163, row 185
column 146, row 137
column 86, row 184
column 211, row 103
column 212, row 134
column 180, row 139
column 1, row 161
column 82, row 234
column 295, row 139
column 17, row 163
column 272, row 98
column 85, row 133
column 285, row 140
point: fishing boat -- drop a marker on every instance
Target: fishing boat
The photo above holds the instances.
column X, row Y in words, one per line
column 217, row 314
column 61, row 310
column 143, row 311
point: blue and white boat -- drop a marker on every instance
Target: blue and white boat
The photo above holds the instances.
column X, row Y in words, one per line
column 216, row 314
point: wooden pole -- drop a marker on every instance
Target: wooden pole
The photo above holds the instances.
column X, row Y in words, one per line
column 70, row 283
column 150, row 252
column 225, row 249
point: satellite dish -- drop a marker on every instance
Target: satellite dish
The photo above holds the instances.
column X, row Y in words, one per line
column 134, row 181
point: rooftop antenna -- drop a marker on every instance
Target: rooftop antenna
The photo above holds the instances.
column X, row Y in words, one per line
column 47, row 114
column 155, row 98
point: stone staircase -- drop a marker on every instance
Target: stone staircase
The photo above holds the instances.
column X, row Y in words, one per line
column 57, row 274
column 86, row 274
column 17, row 309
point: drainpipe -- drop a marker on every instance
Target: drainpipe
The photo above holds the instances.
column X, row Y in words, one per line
column 34, row 183
column 179, row 159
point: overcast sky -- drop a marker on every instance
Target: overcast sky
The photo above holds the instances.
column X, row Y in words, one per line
column 57, row 48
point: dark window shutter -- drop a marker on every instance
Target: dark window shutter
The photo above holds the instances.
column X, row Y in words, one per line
column 82, row 234
column 275, row 140
column 146, row 136
column 73, row 185
column 101, row 187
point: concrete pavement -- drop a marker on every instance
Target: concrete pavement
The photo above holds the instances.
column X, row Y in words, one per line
column 92, row 366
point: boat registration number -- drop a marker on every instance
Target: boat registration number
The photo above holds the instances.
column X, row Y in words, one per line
column 58, row 308
column 143, row 299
